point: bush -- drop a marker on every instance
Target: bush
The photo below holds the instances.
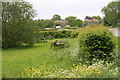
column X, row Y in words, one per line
column 59, row 34
column 73, row 34
column 39, row 36
column 70, row 28
column 96, row 41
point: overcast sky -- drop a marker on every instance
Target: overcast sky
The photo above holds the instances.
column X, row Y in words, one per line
column 79, row 8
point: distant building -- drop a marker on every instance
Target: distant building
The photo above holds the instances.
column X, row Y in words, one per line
column 88, row 20
column 62, row 22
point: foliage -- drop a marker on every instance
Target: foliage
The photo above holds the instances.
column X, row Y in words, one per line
column 59, row 34
column 41, row 24
column 96, row 41
column 56, row 17
column 79, row 23
column 71, row 28
column 73, row 21
column 42, row 55
column 100, row 21
column 17, row 23
column 111, row 12
column 39, row 37
column 96, row 70
column 92, row 20
column 39, row 54
column 74, row 34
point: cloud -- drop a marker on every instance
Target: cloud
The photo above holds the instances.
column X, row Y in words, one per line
column 78, row 8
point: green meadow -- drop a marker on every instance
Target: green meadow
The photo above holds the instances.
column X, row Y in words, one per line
column 15, row 60
column 36, row 47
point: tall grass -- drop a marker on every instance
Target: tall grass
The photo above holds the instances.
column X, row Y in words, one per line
column 16, row 59
column 60, row 63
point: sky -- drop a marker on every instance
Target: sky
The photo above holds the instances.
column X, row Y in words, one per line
column 79, row 8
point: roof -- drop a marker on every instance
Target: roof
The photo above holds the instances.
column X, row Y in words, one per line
column 61, row 21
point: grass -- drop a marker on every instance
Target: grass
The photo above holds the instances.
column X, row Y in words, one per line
column 14, row 60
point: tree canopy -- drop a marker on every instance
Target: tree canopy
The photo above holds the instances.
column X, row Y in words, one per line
column 73, row 21
column 111, row 12
column 17, row 23
column 41, row 23
column 56, row 17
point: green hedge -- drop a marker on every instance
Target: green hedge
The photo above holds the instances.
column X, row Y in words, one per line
column 60, row 34
column 42, row 35
column 96, row 42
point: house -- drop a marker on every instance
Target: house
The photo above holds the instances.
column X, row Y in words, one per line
column 62, row 23
column 88, row 20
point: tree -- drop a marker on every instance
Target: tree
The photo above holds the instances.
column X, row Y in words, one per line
column 17, row 22
column 98, row 18
column 41, row 24
column 56, row 17
column 111, row 12
column 79, row 23
column 73, row 21
column 48, row 23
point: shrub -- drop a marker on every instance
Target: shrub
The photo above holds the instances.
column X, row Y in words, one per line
column 59, row 34
column 70, row 28
column 96, row 41
column 73, row 34
column 39, row 36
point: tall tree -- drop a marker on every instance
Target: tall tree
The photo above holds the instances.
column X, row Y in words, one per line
column 73, row 21
column 111, row 12
column 56, row 17
column 98, row 18
column 17, row 23
column 41, row 24
column 79, row 23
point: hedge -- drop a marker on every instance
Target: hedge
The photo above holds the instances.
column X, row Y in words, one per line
column 60, row 34
column 55, row 34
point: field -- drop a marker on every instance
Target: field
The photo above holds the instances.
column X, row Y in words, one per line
column 15, row 60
